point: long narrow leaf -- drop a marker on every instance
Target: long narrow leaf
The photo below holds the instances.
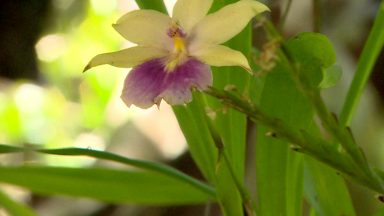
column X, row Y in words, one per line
column 146, row 165
column 325, row 190
column 108, row 185
column 370, row 53
column 14, row 208
column 279, row 170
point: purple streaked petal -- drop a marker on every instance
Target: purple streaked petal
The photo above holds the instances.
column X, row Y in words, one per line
column 149, row 83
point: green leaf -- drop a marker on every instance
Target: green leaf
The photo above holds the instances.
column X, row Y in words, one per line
column 312, row 48
column 117, row 186
column 194, row 124
column 368, row 57
column 325, row 190
column 229, row 124
column 152, row 4
column 380, row 212
column 146, row 165
column 331, row 76
column 312, row 52
column 195, row 127
column 278, row 169
column 14, row 208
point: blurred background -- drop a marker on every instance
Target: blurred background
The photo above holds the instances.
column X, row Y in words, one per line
column 46, row 100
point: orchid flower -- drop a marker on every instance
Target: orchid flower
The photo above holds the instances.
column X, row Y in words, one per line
column 173, row 54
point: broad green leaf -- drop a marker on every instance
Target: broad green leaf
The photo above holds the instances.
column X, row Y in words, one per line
column 325, row 190
column 117, row 186
column 14, row 208
column 331, row 76
column 279, row 170
column 193, row 123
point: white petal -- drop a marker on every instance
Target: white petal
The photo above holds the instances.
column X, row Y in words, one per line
column 127, row 58
column 218, row 55
column 189, row 12
column 224, row 24
column 145, row 27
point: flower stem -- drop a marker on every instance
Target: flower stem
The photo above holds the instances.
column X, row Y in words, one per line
column 339, row 132
column 303, row 142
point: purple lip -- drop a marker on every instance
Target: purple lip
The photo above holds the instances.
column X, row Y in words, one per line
column 149, row 83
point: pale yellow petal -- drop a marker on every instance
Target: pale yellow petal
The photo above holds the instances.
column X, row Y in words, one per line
column 126, row 58
column 218, row 55
column 219, row 27
column 145, row 27
column 189, row 12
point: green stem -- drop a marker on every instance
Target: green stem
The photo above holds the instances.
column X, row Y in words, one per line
column 365, row 65
column 304, row 142
column 338, row 131
column 341, row 133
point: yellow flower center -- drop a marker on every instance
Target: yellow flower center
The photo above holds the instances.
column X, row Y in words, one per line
column 179, row 53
